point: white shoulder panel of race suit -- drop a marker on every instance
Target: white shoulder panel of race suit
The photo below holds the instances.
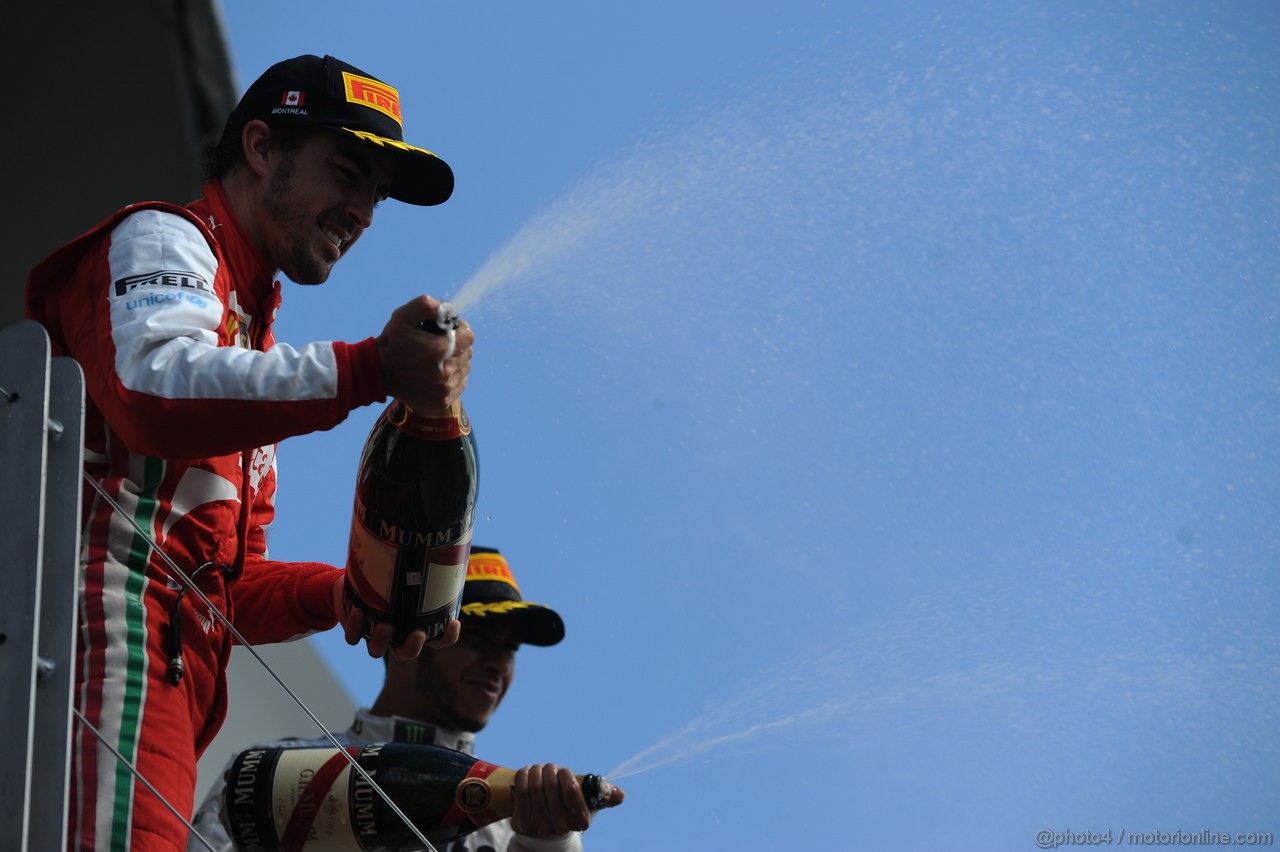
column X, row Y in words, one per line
column 165, row 317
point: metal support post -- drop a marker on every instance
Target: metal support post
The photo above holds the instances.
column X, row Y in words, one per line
column 41, row 456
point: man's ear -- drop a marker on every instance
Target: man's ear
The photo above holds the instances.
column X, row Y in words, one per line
column 256, row 139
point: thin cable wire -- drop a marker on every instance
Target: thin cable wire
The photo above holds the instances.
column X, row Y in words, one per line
column 120, row 757
column 217, row 613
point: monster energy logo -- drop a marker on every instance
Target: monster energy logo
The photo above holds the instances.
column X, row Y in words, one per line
column 414, row 733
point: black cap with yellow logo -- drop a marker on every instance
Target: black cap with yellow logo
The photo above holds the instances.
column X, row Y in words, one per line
column 313, row 91
column 490, row 591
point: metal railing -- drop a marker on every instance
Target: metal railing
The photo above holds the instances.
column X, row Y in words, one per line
column 41, row 450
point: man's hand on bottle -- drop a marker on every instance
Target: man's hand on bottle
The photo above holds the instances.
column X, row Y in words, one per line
column 352, row 624
column 414, row 367
column 549, row 801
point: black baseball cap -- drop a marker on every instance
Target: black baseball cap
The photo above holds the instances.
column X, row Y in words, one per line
column 314, row 91
column 490, row 592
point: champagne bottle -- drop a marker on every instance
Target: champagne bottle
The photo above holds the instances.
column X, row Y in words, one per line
column 283, row 797
column 411, row 525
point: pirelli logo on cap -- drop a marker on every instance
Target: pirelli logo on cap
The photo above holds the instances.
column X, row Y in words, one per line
column 490, row 566
column 371, row 93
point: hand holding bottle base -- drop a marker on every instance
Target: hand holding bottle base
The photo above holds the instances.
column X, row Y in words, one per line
column 355, row 626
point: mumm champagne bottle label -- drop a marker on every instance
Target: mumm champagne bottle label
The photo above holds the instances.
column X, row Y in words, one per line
column 291, row 798
column 296, row 798
column 412, row 520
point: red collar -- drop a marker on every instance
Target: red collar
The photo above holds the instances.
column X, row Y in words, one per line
column 254, row 279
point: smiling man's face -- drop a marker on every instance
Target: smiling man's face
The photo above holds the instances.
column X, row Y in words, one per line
column 319, row 200
column 462, row 685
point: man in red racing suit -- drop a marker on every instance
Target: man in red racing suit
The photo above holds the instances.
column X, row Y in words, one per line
column 168, row 310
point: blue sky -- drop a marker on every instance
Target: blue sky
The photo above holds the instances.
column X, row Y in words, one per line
column 885, row 394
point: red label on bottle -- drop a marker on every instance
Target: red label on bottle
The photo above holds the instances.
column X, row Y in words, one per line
column 311, row 799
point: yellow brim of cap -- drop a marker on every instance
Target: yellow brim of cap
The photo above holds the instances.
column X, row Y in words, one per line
column 540, row 625
column 421, row 176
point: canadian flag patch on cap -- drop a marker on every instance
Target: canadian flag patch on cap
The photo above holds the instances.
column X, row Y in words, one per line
column 294, row 99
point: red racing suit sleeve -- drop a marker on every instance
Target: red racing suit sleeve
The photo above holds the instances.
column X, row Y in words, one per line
column 266, row 587
column 152, row 326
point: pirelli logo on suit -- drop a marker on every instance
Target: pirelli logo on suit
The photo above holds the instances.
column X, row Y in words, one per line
column 162, row 278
